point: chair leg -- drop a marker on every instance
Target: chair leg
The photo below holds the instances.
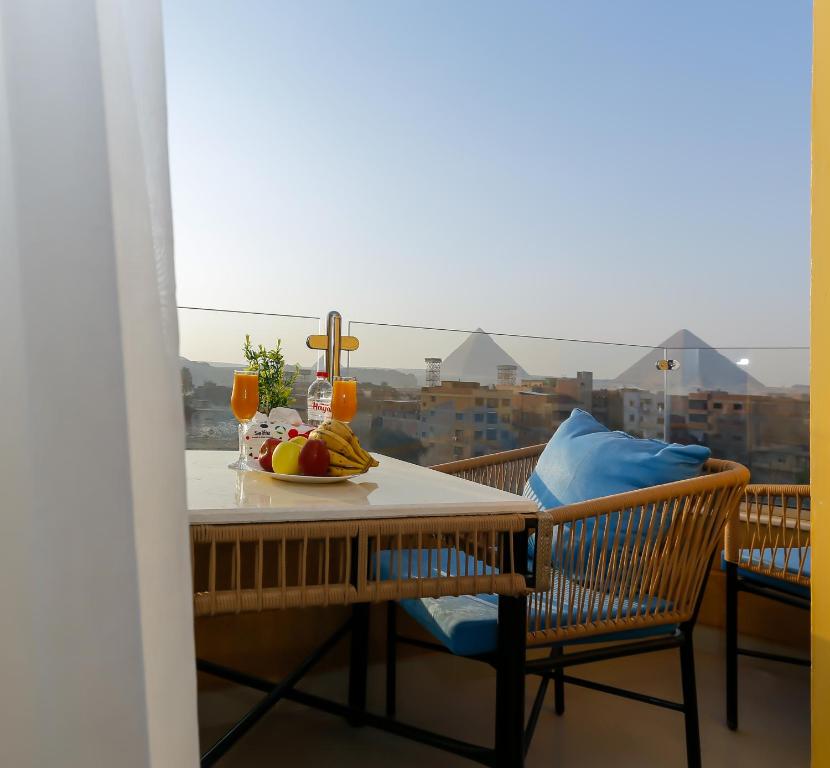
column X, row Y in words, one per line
column 536, row 710
column 558, row 684
column 358, row 662
column 558, row 677
column 391, row 657
column 687, row 671
column 732, row 645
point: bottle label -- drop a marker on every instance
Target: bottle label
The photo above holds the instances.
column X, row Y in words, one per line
column 318, row 411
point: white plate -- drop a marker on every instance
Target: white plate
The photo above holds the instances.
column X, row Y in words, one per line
column 307, row 479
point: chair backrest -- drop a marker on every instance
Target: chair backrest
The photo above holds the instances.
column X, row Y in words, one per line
column 770, row 533
column 506, row 470
column 642, row 560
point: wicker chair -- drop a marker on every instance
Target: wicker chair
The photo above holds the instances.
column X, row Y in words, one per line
column 625, row 571
column 767, row 554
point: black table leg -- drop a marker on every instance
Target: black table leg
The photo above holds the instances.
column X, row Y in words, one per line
column 391, row 657
column 358, row 661
column 510, row 682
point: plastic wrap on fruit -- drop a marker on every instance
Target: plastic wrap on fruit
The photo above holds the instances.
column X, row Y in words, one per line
column 283, row 415
column 286, row 425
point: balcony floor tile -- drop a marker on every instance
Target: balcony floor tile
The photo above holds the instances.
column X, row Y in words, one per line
column 456, row 696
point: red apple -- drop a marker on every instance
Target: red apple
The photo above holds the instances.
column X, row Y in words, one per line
column 266, row 454
column 314, row 458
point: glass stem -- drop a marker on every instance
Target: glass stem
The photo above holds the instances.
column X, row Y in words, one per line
column 241, row 432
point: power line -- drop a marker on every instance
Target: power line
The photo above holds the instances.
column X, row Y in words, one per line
column 494, row 333
column 249, row 312
column 555, row 338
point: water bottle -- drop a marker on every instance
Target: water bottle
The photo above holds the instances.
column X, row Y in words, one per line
column 319, row 400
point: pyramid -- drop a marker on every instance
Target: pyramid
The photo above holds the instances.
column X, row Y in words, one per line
column 701, row 368
column 477, row 359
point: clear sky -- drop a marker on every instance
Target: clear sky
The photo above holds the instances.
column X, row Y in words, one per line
column 608, row 170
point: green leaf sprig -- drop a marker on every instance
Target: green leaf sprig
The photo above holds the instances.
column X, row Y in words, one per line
column 275, row 384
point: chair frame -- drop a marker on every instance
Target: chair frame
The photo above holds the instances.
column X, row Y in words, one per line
column 717, row 491
column 758, row 525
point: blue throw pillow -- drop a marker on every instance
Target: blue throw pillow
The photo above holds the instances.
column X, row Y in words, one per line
column 585, row 460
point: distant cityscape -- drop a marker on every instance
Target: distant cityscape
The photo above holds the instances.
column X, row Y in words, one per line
column 479, row 400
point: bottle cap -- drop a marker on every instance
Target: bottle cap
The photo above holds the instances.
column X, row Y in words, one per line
column 322, row 375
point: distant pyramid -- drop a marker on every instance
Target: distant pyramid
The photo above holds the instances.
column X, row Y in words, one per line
column 701, row 368
column 477, row 359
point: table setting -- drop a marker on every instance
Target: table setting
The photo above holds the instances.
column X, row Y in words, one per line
column 303, row 516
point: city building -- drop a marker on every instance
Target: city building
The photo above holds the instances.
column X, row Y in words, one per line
column 460, row 419
column 542, row 405
column 463, row 418
column 768, row 433
column 634, row 411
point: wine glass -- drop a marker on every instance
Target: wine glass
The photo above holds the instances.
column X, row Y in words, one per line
column 244, row 404
column 344, row 398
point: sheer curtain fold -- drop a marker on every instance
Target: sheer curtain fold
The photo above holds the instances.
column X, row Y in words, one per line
column 95, row 560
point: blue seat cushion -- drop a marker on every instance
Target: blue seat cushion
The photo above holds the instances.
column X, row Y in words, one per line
column 585, row 460
column 781, row 560
column 468, row 625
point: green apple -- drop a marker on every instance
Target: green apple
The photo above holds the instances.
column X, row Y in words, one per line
column 286, row 460
column 301, row 440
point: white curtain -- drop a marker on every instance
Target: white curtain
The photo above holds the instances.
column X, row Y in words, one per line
column 96, row 640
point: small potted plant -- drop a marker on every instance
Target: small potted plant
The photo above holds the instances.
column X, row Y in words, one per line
column 275, row 391
column 275, row 383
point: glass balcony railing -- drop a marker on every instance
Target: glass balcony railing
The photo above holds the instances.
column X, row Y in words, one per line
column 493, row 392
column 430, row 395
column 750, row 405
column 211, row 344
column 489, row 392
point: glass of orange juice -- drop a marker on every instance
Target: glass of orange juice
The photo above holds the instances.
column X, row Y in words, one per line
column 344, row 398
column 244, row 404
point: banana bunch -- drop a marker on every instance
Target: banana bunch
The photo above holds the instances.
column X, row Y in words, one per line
column 346, row 456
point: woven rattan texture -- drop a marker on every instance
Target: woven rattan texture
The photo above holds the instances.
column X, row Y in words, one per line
column 625, row 562
column 770, row 533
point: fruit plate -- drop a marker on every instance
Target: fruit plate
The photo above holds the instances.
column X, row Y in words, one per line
column 307, row 479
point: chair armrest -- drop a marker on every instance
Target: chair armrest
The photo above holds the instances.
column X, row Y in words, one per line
column 652, row 546
column 491, row 459
column 727, row 474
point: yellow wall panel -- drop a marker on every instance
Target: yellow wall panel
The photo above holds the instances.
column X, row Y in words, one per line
column 820, row 384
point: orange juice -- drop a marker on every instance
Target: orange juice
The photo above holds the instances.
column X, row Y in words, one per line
column 245, row 394
column 344, row 398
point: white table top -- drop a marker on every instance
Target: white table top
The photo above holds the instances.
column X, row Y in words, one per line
column 216, row 494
